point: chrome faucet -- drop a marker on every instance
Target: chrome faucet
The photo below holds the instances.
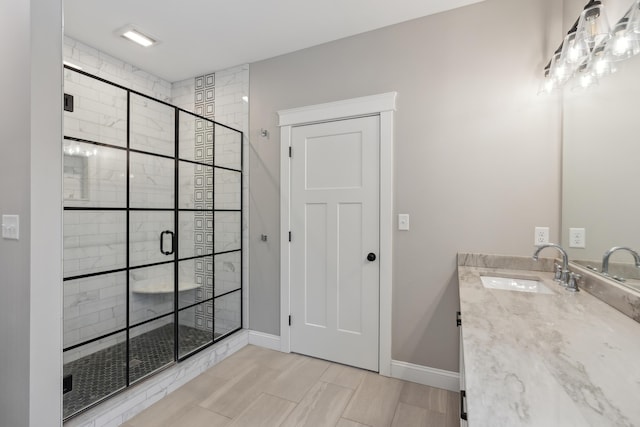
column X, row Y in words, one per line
column 564, row 273
column 607, row 254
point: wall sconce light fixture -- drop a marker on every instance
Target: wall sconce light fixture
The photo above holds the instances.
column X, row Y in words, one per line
column 591, row 48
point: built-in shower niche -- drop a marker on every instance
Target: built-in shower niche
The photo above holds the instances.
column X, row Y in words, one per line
column 152, row 237
column 93, row 175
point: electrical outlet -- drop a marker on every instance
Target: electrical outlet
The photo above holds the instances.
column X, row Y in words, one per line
column 577, row 238
column 10, row 227
column 541, row 236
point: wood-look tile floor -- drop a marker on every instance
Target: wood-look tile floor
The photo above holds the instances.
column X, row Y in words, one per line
column 260, row 387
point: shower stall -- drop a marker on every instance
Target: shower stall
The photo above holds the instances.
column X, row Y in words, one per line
column 153, row 258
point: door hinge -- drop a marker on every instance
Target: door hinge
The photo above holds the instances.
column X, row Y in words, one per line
column 289, row 320
column 290, row 151
column 289, row 236
column 458, row 319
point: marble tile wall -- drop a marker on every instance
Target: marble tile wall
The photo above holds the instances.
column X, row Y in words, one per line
column 232, row 109
column 99, row 110
column 106, row 66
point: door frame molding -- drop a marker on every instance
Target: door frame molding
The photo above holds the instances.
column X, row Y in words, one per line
column 383, row 105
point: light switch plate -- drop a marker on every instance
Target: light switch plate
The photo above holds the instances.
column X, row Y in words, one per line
column 10, row 227
column 403, row 222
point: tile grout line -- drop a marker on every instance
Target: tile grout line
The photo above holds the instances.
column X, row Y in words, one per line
column 396, row 407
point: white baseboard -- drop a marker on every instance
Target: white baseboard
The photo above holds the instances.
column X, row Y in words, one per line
column 425, row 375
column 262, row 339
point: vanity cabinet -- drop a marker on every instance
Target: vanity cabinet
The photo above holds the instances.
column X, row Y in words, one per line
column 463, row 396
column 523, row 355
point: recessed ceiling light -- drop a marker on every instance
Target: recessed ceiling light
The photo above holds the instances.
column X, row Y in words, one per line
column 137, row 36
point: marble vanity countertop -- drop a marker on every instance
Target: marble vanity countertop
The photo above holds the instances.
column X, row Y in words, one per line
column 560, row 360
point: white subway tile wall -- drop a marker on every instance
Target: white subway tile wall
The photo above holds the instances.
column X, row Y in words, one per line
column 232, row 109
column 93, row 241
column 152, row 126
column 114, row 70
column 100, row 110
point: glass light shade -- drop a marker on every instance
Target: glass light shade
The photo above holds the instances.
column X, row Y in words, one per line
column 584, row 78
column 601, row 63
column 634, row 18
column 575, row 49
column 593, row 24
column 625, row 41
column 548, row 84
column 560, row 71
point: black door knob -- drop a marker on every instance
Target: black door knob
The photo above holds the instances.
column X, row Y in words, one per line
column 371, row 256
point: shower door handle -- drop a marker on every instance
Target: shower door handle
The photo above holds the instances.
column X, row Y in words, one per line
column 170, row 233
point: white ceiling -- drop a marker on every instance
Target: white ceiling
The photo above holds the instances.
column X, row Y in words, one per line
column 199, row 36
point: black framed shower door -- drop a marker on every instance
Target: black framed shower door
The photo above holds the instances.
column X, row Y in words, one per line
column 153, row 237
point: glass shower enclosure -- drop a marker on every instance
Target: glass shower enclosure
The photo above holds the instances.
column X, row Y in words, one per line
column 152, row 237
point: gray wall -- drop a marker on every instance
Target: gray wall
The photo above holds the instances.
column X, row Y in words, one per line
column 30, row 171
column 14, row 199
column 477, row 152
column 45, row 327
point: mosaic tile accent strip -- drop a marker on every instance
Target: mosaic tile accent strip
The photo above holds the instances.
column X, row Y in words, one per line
column 204, row 105
column 102, row 373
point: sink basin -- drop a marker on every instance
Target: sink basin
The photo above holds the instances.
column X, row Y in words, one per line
column 515, row 284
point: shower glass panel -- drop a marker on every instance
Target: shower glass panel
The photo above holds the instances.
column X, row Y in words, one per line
column 94, row 176
column 227, row 189
column 196, row 186
column 145, row 228
column 94, row 241
column 151, row 182
column 151, row 347
column 196, row 233
column 88, row 314
column 228, row 153
column 196, row 139
column 194, row 288
column 100, row 115
column 196, row 323
column 91, row 384
column 152, row 126
column 227, row 272
column 226, row 318
column 152, row 237
column 151, row 293
column 228, row 231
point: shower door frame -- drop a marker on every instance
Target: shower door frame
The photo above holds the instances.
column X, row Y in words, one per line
column 176, row 210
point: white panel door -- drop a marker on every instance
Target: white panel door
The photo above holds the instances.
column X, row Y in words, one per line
column 335, row 276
